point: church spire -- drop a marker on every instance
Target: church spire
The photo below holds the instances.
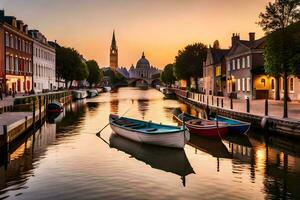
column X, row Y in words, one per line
column 113, row 41
column 143, row 56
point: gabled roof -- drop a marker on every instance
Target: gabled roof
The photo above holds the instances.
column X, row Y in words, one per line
column 218, row 54
column 242, row 46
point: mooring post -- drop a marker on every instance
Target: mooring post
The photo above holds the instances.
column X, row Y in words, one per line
column 207, row 100
column 25, row 122
column 231, row 104
column 212, row 100
column 6, row 137
column 33, row 116
column 222, row 102
column 217, row 101
column 40, row 109
column 248, row 104
column 266, row 107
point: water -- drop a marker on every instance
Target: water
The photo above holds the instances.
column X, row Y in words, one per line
column 67, row 160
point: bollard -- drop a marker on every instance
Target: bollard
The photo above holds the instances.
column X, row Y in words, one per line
column 207, row 100
column 25, row 122
column 33, row 115
column 40, row 109
column 248, row 105
column 231, row 104
column 222, row 102
column 266, row 107
column 217, row 101
column 212, row 100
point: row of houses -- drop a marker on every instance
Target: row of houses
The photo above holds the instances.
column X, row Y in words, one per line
column 27, row 60
column 238, row 72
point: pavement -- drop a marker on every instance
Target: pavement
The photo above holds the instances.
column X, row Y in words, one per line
column 11, row 118
column 257, row 107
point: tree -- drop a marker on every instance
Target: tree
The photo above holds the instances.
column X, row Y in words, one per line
column 167, row 76
column 69, row 65
column 189, row 62
column 95, row 73
column 281, row 50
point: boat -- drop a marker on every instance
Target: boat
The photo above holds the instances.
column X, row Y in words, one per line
column 79, row 94
column 92, row 93
column 202, row 127
column 234, row 126
column 54, row 107
column 171, row 160
column 149, row 132
column 106, row 89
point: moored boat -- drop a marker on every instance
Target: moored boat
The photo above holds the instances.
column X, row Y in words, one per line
column 148, row 132
column 79, row 94
column 234, row 126
column 54, row 107
column 92, row 93
column 202, row 127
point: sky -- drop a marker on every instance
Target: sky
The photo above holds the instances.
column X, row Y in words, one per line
column 158, row 27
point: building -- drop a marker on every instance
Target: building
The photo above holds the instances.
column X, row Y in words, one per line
column 16, row 55
column 143, row 73
column 113, row 53
column 245, row 68
column 214, row 72
column 43, row 63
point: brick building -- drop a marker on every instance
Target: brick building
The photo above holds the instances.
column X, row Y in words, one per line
column 16, row 55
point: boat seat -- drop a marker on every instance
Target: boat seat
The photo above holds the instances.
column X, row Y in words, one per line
column 139, row 126
column 130, row 125
column 151, row 129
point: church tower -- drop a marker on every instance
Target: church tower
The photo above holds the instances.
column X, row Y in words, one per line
column 113, row 53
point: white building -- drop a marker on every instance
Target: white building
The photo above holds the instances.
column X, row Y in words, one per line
column 143, row 69
column 43, row 63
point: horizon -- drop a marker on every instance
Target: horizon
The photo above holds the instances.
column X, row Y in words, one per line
column 159, row 29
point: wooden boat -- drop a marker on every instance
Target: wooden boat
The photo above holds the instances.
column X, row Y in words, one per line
column 202, row 127
column 54, row 107
column 166, row 159
column 234, row 126
column 92, row 93
column 79, row 94
column 148, row 132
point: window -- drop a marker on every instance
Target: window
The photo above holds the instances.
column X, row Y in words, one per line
column 228, row 66
column 243, row 65
column 273, row 84
column 11, row 41
column 243, row 85
column 7, row 39
column 248, row 61
column 291, row 84
column 238, row 63
column 233, row 64
column 16, row 64
column 248, row 84
column 7, row 62
column 218, row 71
column 263, row 82
column 239, row 84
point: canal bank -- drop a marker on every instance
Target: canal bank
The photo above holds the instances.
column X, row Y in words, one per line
column 25, row 114
column 274, row 125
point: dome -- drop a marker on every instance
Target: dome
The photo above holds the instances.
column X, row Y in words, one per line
column 143, row 62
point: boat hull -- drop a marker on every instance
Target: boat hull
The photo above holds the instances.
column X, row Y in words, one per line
column 176, row 140
column 239, row 129
column 211, row 132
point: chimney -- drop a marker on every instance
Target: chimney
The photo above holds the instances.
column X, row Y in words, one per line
column 235, row 37
column 25, row 28
column 20, row 25
column 1, row 15
column 251, row 36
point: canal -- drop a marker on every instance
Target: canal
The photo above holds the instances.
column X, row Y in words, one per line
column 65, row 159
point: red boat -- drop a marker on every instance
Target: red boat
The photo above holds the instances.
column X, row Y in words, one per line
column 207, row 128
column 202, row 127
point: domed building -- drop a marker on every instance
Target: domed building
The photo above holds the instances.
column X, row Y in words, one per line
column 143, row 70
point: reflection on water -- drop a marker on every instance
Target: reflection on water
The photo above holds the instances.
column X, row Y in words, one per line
column 166, row 159
column 66, row 160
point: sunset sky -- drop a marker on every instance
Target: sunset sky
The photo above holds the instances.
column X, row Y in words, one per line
column 158, row 27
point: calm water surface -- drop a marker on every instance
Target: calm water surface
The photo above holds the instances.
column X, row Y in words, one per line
column 67, row 160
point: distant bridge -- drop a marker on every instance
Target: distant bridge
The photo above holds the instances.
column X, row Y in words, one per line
column 149, row 81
